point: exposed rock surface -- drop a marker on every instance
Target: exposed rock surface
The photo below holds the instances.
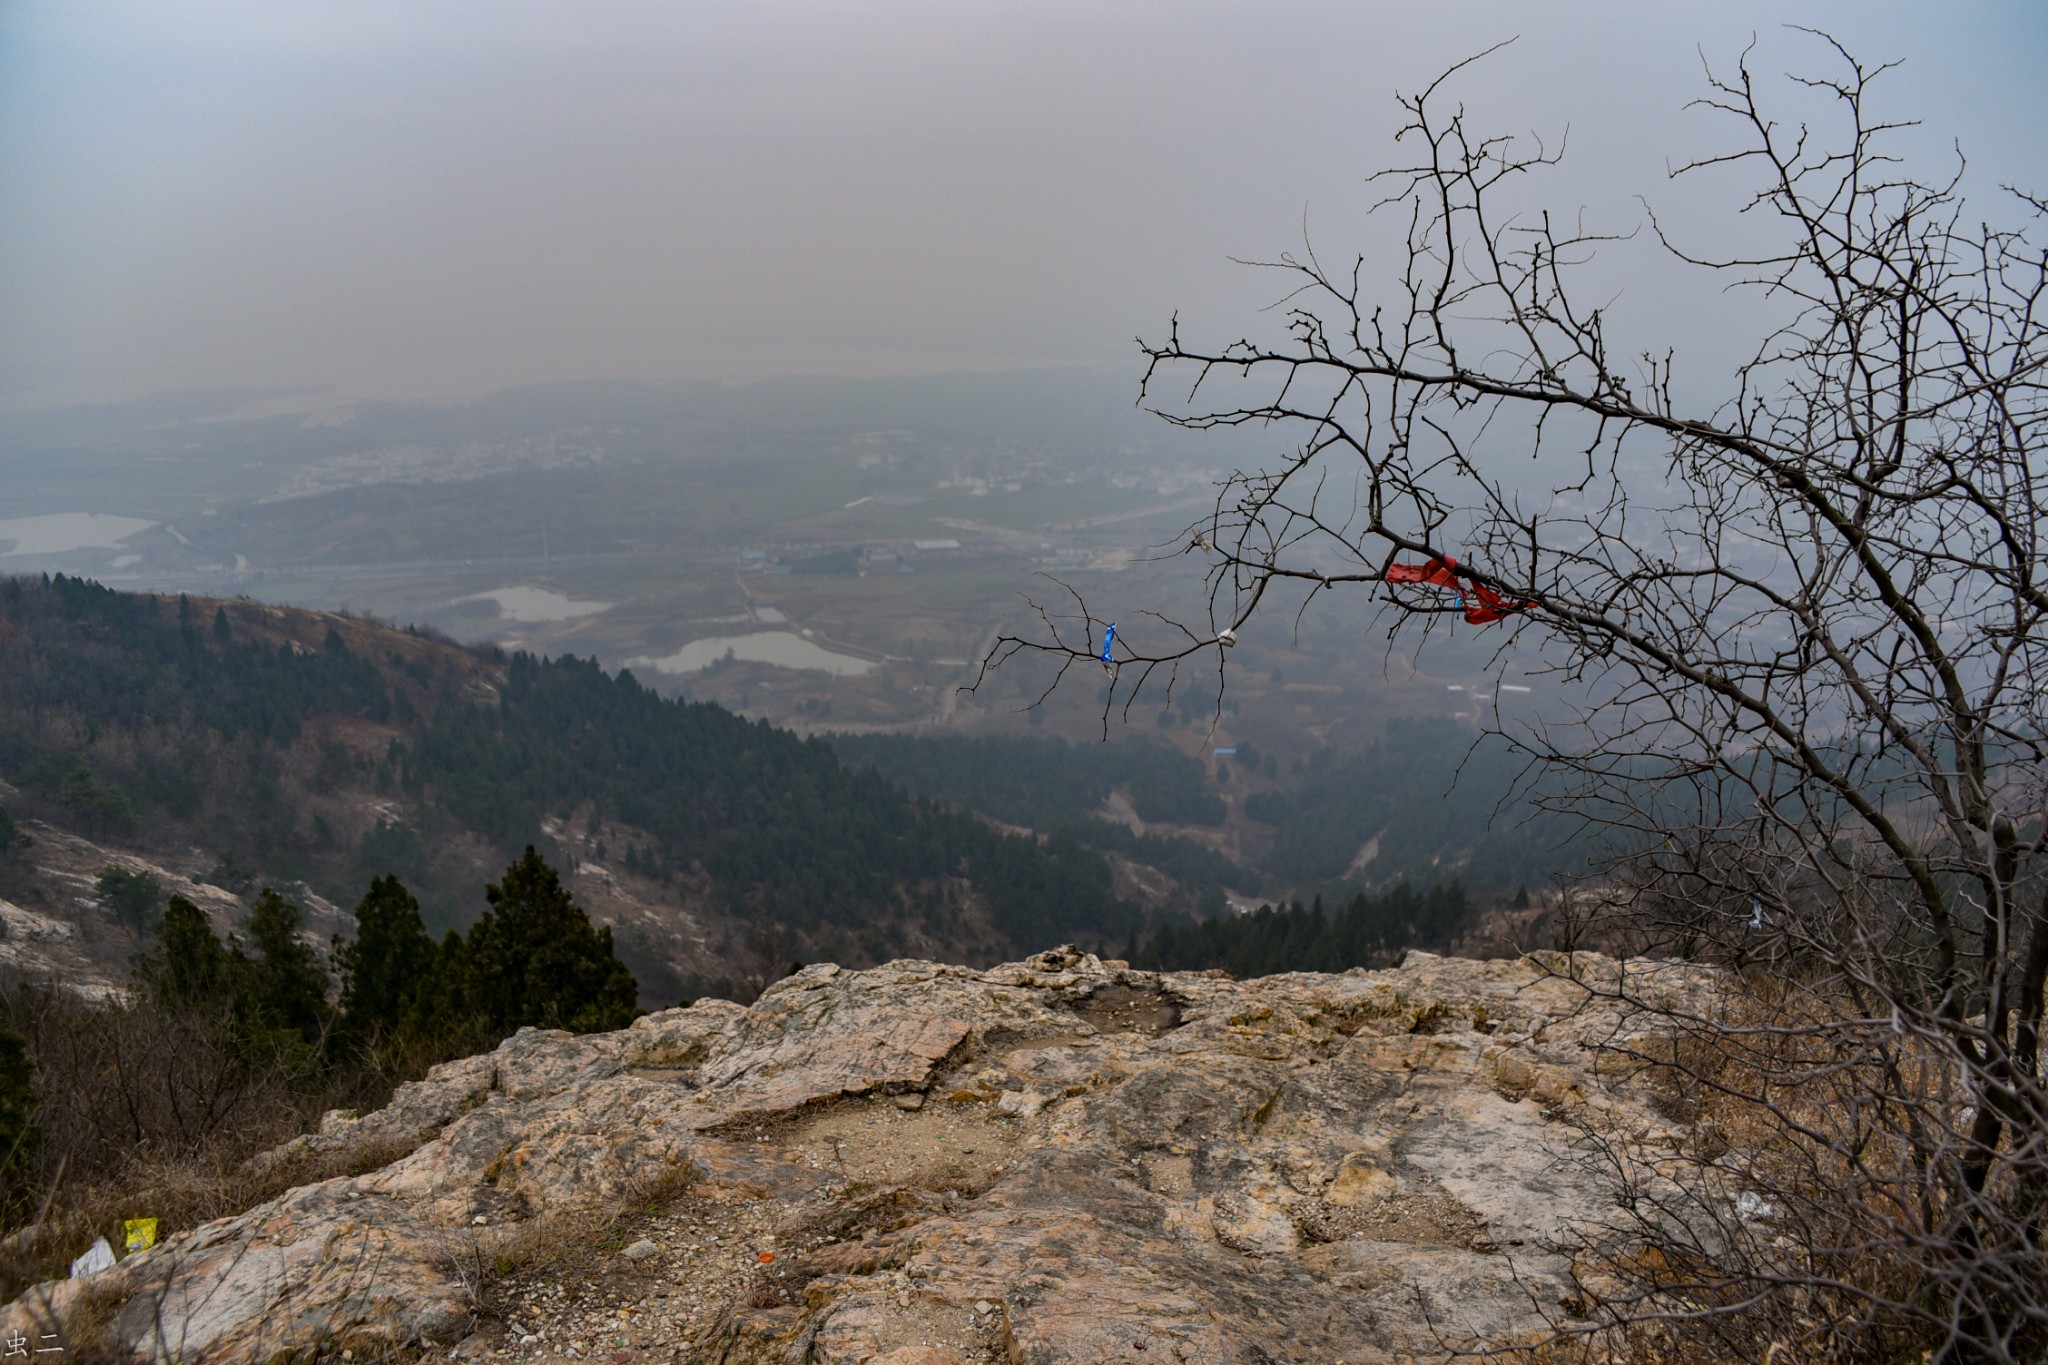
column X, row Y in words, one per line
column 56, row 927
column 1107, row 1165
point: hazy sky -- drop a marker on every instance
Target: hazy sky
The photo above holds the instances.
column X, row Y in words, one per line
column 426, row 197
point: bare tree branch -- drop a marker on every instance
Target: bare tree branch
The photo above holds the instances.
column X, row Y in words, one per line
column 1807, row 621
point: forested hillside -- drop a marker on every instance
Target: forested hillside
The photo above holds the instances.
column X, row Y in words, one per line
column 1366, row 931
column 1058, row 788
column 787, row 834
column 318, row 752
column 307, row 748
column 1423, row 805
column 1041, row 783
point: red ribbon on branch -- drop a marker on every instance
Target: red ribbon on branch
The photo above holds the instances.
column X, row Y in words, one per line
column 1481, row 603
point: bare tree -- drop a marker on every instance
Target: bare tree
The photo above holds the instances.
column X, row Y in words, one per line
column 1805, row 617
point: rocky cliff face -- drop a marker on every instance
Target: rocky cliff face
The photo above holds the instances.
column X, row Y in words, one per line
column 1056, row 1160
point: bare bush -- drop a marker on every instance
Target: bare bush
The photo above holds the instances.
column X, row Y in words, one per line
column 1806, row 622
column 147, row 1110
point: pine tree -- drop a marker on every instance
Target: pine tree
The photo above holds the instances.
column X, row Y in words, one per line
column 441, row 1019
column 534, row 958
column 387, row 964
column 132, row 896
column 190, row 965
column 284, row 985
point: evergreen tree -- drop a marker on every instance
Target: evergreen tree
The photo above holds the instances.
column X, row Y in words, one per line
column 441, row 1021
column 104, row 809
column 132, row 896
column 284, row 986
column 385, row 967
column 190, row 965
column 1366, row 931
column 535, row 958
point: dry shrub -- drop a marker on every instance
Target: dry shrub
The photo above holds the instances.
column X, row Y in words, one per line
column 575, row 1240
column 1816, row 1209
column 149, row 1112
column 179, row 1192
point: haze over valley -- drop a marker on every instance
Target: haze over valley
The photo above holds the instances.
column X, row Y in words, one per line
column 941, row 685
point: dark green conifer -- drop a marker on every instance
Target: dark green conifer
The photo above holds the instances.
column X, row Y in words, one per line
column 190, row 964
column 441, row 1020
column 286, row 987
column 384, row 968
column 132, row 896
column 535, row 958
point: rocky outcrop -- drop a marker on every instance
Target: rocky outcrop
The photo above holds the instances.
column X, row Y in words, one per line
column 1055, row 1160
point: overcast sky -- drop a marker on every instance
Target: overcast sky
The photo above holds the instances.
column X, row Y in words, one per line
column 436, row 197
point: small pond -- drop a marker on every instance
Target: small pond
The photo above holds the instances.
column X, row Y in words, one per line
column 784, row 649
column 59, row 533
column 536, row 604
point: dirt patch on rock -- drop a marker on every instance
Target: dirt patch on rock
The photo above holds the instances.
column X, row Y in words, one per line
column 1427, row 1216
column 1001, row 1043
column 720, row 1271
column 1129, row 1009
column 648, row 1284
column 874, row 1142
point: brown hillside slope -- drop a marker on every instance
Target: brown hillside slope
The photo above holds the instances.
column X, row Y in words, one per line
column 1054, row 1160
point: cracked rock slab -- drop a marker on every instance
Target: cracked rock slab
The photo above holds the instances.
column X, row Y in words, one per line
column 1057, row 1159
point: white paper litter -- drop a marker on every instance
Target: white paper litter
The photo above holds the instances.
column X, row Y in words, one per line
column 99, row 1256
